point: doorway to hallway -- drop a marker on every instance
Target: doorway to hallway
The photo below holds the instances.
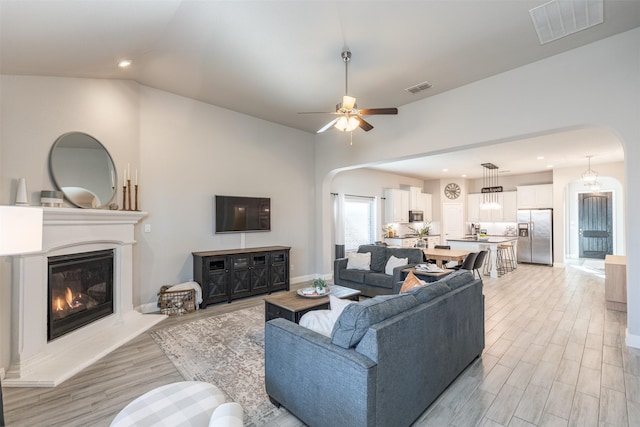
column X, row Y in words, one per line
column 595, row 222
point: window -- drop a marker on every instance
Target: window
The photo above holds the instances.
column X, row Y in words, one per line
column 359, row 221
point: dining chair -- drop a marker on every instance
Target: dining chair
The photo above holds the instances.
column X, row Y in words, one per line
column 479, row 262
column 468, row 262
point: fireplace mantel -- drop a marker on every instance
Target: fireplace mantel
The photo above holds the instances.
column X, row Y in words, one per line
column 36, row 362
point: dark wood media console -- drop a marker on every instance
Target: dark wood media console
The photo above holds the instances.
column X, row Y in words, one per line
column 237, row 273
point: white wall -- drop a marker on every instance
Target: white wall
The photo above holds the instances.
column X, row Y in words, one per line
column 592, row 86
column 191, row 151
column 185, row 153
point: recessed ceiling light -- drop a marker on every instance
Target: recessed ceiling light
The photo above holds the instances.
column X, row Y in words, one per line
column 464, row 175
column 445, row 170
column 549, row 166
column 540, row 158
column 125, row 63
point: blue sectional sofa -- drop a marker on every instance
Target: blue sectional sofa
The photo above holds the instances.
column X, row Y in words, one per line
column 374, row 281
column 388, row 358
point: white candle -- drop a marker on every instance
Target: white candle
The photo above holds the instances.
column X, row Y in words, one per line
column 136, row 176
column 124, row 178
column 128, row 171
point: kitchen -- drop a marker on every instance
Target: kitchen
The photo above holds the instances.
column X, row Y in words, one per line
column 495, row 221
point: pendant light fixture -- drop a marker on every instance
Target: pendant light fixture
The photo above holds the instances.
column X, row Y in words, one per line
column 589, row 177
column 490, row 187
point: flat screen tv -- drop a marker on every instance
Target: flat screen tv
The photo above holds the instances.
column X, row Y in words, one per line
column 242, row 214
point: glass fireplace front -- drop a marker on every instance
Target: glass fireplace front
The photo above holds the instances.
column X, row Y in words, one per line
column 80, row 290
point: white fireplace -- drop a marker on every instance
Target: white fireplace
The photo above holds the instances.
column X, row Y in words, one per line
column 37, row 362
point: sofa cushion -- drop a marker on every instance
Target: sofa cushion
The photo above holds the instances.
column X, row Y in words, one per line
column 356, row 319
column 414, row 255
column 428, row 292
column 358, row 261
column 457, row 279
column 356, row 276
column 394, row 262
column 379, row 280
column 378, row 256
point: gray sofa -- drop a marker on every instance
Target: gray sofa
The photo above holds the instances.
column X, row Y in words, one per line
column 388, row 358
column 375, row 281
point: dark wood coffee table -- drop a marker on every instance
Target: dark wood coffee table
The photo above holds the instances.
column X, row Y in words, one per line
column 291, row 306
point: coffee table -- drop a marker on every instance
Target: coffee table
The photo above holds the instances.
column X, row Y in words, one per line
column 291, row 306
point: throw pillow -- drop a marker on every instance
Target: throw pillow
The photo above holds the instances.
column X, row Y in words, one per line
column 357, row 261
column 410, row 282
column 337, row 305
column 393, row 263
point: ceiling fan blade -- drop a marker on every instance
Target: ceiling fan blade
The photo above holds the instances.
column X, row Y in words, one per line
column 374, row 111
column 327, row 126
column 348, row 102
column 364, row 125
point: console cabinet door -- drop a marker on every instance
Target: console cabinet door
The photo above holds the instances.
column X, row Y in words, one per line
column 259, row 272
column 279, row 272
column 241, row 276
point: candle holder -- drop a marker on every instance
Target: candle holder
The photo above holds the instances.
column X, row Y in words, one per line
column 124, row 197
column 136, row 198
column 129, row 195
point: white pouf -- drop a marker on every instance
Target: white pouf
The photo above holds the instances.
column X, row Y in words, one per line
column 186, row 403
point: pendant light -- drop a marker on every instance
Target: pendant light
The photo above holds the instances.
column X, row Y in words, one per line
column 490, row 187
column 589, row 177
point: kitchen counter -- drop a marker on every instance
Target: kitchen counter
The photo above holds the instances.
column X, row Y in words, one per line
column 489, row 242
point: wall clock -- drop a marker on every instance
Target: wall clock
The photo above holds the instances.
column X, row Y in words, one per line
column 452, row 190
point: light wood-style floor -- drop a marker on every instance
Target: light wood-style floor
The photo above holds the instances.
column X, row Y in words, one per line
column 554, row 356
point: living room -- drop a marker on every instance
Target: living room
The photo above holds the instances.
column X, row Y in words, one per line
column 186, row 151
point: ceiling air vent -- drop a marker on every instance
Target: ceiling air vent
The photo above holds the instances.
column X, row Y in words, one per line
column 419, row 87
column 559, row 18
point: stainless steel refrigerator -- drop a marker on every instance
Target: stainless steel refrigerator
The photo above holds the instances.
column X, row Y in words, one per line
column 535, row 236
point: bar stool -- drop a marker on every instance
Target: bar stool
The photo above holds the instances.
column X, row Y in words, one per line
column 504, row 259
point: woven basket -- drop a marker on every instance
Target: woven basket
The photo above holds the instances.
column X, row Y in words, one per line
column 177, row 302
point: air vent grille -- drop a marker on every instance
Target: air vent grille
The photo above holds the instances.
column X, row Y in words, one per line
column 557, row 19
column 419, row 87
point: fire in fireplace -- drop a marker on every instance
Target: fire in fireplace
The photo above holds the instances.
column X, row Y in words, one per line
column 80, row 290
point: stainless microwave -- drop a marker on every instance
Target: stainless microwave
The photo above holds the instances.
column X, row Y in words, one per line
column 416, row 216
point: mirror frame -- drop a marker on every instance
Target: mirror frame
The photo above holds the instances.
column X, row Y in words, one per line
column 76, row 194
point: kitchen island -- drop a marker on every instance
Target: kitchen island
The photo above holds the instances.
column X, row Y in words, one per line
column 472, row 244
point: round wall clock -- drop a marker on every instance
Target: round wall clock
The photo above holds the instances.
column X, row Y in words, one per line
column 452, row 191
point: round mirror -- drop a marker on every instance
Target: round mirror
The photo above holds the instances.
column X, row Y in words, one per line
column 83, row 170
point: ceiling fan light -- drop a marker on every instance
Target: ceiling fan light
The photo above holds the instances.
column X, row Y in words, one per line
column 347, row 124
column 348, row 102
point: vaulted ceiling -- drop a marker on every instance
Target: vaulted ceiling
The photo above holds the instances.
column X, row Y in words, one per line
column 273, row 59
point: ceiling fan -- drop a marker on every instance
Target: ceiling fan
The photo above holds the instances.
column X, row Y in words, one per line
column 349, row 116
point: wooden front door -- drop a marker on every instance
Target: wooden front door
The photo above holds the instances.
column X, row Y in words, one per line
column 595, row 224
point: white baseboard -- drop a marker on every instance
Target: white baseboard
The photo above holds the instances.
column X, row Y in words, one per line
column 632, row 340
column 151, row 307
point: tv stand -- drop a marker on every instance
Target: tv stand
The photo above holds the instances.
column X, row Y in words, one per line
column 230, row 274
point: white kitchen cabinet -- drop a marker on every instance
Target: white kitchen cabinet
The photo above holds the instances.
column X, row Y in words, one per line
column 507, row 211
column 428, row 206
column 473, row 206
column 403, row 242
column 535, row 196
column 396, row 205
column 509, row 206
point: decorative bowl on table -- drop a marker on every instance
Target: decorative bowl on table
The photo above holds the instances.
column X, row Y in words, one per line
column 313, row 292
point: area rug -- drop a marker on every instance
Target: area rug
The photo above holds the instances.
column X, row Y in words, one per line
column 227, row 351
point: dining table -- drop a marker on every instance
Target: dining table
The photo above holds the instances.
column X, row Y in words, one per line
column 445, row 255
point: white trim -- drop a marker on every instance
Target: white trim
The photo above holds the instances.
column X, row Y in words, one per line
column 632, row 340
